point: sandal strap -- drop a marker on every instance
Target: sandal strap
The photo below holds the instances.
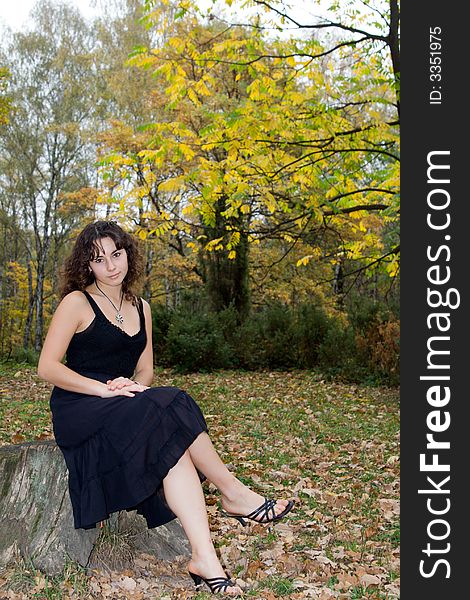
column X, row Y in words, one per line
column 266, row 512
column 263, row 511
column 218, row 584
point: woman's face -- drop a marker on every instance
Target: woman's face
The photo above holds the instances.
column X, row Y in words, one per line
column 110, row 265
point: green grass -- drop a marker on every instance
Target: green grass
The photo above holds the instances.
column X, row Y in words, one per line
column 279, row 585
column 359, row 593
column 26, row 579
column 332, row 581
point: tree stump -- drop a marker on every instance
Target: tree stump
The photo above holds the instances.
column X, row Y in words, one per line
column 36, row 519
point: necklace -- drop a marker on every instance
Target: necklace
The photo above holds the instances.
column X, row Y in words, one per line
column 119, row 318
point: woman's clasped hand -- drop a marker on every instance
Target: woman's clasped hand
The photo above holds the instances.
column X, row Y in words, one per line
column 125, row 386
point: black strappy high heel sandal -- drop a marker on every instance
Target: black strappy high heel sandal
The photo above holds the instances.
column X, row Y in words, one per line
column 263, row 512
column 215, row 584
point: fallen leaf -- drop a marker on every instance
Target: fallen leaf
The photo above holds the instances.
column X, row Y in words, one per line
column 389, row 507
column 367, row 580
column 127, row 583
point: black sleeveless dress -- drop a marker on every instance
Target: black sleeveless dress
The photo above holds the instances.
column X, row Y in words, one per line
column 118, row 450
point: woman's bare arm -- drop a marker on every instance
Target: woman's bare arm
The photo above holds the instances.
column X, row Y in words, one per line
column 65, row 322
column 144, row 368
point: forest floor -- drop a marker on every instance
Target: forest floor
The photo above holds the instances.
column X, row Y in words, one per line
column 332, row 446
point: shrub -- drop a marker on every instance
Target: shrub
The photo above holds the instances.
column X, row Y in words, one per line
column 266, row 339
column 377, row 333
column 277, row 332
column 161, row 320
column 379, row 346
column 248, row 344
column 361, row 346
column 311, row 327
column 27, row 356
column 195, row 342
column 338, row 347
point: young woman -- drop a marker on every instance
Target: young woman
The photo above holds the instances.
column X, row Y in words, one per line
column 128, row 445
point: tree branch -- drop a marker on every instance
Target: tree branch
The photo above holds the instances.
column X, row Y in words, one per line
column 352, row 209
column 324, row 25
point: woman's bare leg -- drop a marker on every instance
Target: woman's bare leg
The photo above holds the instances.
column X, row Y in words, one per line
column 185, row 497
column 236, row 498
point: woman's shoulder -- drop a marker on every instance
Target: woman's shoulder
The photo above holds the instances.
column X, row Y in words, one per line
column 145, row 306
column 75, row 296
column 71, row 310
column 74, row 300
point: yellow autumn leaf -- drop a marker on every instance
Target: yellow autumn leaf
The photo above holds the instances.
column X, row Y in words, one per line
column 171, row 185
column 193, row 96
column 304, row 260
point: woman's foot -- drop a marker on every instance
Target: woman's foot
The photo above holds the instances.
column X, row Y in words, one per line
column 208, row 567
column 243, row 501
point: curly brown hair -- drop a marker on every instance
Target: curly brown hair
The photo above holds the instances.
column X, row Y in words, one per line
column 76, row 275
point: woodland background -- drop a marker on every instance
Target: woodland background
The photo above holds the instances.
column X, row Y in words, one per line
column 257, row 158
column 255, row 154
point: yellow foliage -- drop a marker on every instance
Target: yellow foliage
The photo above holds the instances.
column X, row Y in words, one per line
column 18, row 274
column 193, row 96
column 260, row 146
column 214, row 244
column 304, row 260
column 172, row 185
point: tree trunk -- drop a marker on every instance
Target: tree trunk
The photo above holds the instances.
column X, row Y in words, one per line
column 226, row 280
column 39, row 308
column 31, row 301
column 36, row 519
column 149, row 260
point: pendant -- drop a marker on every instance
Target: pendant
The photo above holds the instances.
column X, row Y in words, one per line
column 119, row 318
